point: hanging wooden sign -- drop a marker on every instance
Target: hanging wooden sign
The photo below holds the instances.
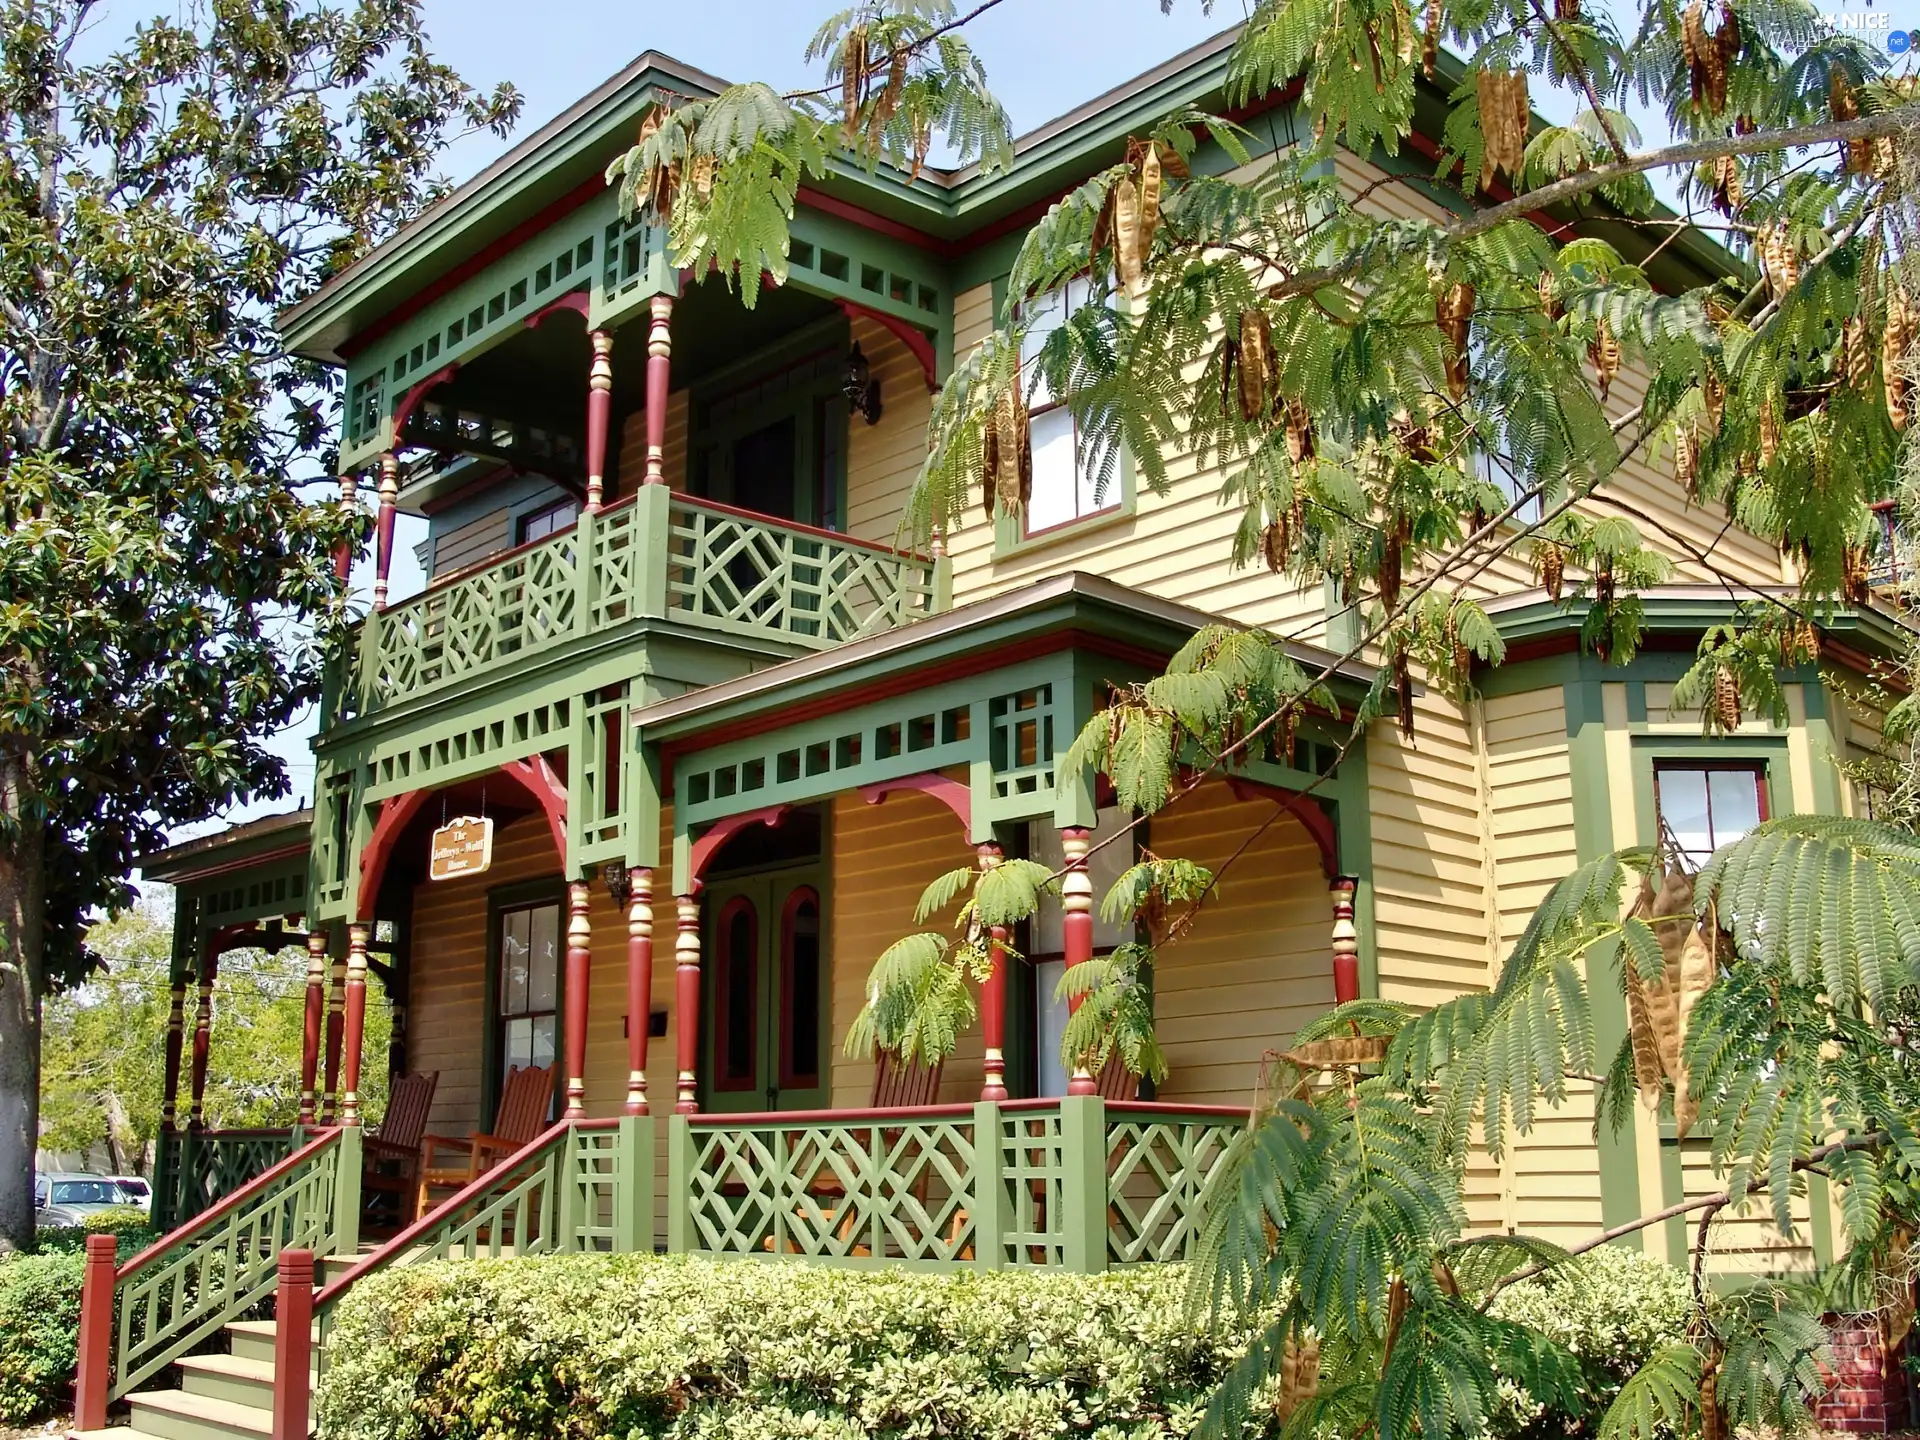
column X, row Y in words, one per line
column 461, row 847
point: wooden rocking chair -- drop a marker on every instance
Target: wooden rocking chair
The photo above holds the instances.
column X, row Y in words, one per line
column 392, row 1151
column 895, row 1086
column 525, row 1101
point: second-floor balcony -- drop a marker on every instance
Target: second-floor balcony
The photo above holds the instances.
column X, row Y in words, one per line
column 655, row 556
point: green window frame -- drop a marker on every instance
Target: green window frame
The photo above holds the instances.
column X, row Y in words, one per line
column 503, row 900
column 1767, row 757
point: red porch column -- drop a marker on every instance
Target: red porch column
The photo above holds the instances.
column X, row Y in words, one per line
column 349, row 494
column 293, row 1345
column 315, row 1022
column 599, row 412
column 176, row 1044
column 336, row 1032
column 202, row 1041
column 639, row 985
column 356, row 1022
column 1346, row 940
column 686, row 977
column 579, row 971
column 383, row 527
column 94, row 1373
column 1076, row 924
column 993, row 998
column 659, row 368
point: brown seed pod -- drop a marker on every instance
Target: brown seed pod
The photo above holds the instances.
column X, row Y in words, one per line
column 1686, row 459
column 1550, row 295
column 1728, row 188
column 1430, row 37
column 1726, row 699
column 1462, row 656
column 1289, row 734
column 989, row 463
column 1397, row 1299
column 1605, row 354
column 1603, row 580
column 1567, row 10
column 1391, row 550
column 1713, row 1425
column 1857, row 576
column 1299, row 1375
column 1856, row 154
column 1695, row 44
column 1769, row 433
column 1299, row 433
column 1256, row 363
column 1103, row 224
column 1713, row 398
column 1894, row 341
column 853, row 79
column 1504, row 116
column 1274, row 544
column 1806, row 640
column 1453, row 312
column 1126, row 232
column 1150, row 182
column 1013, row 452
column 1553, row 572
column 1403, row 692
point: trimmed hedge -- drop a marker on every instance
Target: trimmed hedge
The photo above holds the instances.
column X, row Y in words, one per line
column 638, row 1345
column 634, row 1345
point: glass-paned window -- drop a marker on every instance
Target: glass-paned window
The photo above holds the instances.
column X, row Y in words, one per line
column 1049, row 944
column 549, row 521
column 1065, row 487
column 529, row 986
column 800, row 992
column 1706, row 806
column 736, row 994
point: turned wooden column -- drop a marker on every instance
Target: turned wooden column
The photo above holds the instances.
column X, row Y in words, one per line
column 316, row 1020
column 659, row 367
column 349, row 495
column 579, row 971
column 336, row 1033
column 356, row 1022
column 175, row 1046
column 599, row 413
column 383, row 527
column 1076, row 927
column 686, row 977
column 639, row 985
column 1346, row 940
column 993, row 997
column 202, row 1042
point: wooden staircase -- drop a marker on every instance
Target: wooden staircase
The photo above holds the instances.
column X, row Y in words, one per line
column 220, row 1397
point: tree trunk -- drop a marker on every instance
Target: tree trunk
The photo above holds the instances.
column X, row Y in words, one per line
column 118, row 1126
column 22, row 912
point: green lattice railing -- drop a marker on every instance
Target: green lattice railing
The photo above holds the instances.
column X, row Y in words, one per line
column 188, row 1284
column 736, row 571
column 1025, row 1183
column 200, row 1168
column 650, row 555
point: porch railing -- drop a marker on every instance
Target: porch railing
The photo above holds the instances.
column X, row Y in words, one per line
column 1078, row 1182
column 195, row 1169
column 188, row 1284
column 654, row 554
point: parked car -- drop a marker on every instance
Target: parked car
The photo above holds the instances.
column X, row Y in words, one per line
column 134, row 1191
column 69, row 1199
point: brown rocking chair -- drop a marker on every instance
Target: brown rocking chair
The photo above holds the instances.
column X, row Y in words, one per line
column 392, row 1151
column 525, row 1101
column 895, row 1086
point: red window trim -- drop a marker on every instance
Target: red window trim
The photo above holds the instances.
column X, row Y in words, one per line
column 790, row 1079
column 723, row 958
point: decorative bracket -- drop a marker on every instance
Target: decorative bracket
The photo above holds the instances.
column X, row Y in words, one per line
column 410, row 401
column 550, row 790
column 909, row 334
column 394, row 815
column 721, row 831
column 949, row 792
column 1315, row 820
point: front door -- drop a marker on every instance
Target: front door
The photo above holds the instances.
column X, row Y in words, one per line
column 765, row 1041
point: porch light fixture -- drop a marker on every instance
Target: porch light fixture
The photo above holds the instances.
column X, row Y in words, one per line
column 619, row 883
column 860, row 388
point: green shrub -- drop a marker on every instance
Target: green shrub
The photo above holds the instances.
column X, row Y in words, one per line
column 634, row 1345
column 39, row 1325
column 1611, row 1307
column 130, row 1226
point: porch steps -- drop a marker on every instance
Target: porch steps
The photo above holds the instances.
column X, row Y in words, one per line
column 220, row 1397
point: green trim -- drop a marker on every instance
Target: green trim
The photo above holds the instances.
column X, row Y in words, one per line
column 548, row 890
column 1353, row 830
column 1824, row 750
column 1593, row 837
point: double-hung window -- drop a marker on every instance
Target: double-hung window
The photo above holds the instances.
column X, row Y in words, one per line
column 1065, row 485
column 1704, row 805
column 1049, row 957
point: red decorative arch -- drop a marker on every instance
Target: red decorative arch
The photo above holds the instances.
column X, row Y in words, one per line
column 1315, row 820
column 908, row 334
column 708, row 845
column 574, row 300
column 951, row 793
column 394, row 815
column 549, row 789
column 410, row 401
